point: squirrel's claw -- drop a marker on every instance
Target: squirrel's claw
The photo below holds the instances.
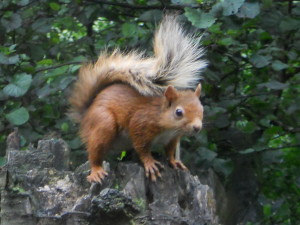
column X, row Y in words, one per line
column 152, row 169
column 97, row 175
column 176, row 164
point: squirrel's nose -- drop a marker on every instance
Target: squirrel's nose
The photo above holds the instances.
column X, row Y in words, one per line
column 196, row 128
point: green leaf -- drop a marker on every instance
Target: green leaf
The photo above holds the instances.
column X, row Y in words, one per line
column 13, row 59
column 247, row 151
column 12, row 48
column 42, row 25
column 65, row 82
column 296, row 10
column 19, row 85
column 278, row 65
column 216, row 28
column 75, row 143
column 246, row 126
column 199, row 19
column 3, row 59
column 288, row 24
column 22, row 2
column 45, row 62
column 57, row 72
column 74, row 68
column 154, row 15
column 250, row 127
column 231, row 7
column 275, row 85
column 128, row 29
column 226, row 41
column 64, row 127
column 296, row 45
column 184, row 2
column 217, row 9
column 223, row 166
column 2, row 161
column 18, row 116
column 222, row 121
column 249, row 10
column 260, row 61
column 8, row 60
column 12, row 23
column 271, row 132
column 292, row 55
column 123, row 154
column 206, row 154
column 54, row 6
column 3, row 96
column 267, row 210
column 267, row 3
column 44, row 91
column 50, row 112
column 265, row 36
column 37, row 51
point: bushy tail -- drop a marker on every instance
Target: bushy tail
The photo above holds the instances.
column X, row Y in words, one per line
column 176, row 61
column 178, row 55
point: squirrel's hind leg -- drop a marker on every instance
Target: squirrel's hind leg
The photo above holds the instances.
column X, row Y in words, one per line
column 100, row 131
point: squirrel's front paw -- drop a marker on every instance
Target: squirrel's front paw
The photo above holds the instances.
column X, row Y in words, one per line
column 97, row 175
column 152, row 169
column 176, row 164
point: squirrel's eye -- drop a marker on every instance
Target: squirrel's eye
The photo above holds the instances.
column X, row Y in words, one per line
column 179, row 112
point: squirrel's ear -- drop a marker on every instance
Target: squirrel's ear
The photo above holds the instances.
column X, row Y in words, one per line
column 171, row 94
column 198, row 90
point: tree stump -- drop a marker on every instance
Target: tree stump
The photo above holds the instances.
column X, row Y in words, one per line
column 38, row 188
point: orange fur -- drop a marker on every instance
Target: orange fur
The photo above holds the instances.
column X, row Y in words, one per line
column 129, row 100
column 176, row 61
column 119, row 109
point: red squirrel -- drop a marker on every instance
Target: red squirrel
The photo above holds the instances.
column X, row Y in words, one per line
column 126, row 101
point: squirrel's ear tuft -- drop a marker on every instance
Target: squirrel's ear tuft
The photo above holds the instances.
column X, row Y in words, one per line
column 198, row 90
column 171, row 94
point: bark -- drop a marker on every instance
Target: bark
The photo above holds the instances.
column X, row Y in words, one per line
column 38, row 188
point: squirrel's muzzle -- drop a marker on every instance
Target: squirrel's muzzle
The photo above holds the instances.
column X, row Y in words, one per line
column 196, row 126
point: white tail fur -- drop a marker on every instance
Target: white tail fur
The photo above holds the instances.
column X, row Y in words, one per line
column 176, row 61
column 178, row 55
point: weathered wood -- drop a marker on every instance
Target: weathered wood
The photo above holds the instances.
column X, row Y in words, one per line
column 41, row 190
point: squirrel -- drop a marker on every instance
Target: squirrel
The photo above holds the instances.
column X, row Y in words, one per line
column 132, row 101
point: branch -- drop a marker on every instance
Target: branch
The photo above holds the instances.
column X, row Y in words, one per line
column 278, row 148
column 141, row 7
column 294, row 130
column 243, row 97
column 235, row 153
column 57, row 66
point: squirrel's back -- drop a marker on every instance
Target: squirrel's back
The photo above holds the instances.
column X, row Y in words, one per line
column 176, row 61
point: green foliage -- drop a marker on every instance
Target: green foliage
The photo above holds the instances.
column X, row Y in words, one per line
column 18, row 86
column 18, row 116
column 231, row 7
column 18, row 189
column 122, row 155
column 2, row 161
column 199, row 18
column 251, row 88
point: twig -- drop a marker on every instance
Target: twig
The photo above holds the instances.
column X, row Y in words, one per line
column 141, row 7
column 259, row 151
column 278, row 148
column 290, row 7
column 56, row 66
